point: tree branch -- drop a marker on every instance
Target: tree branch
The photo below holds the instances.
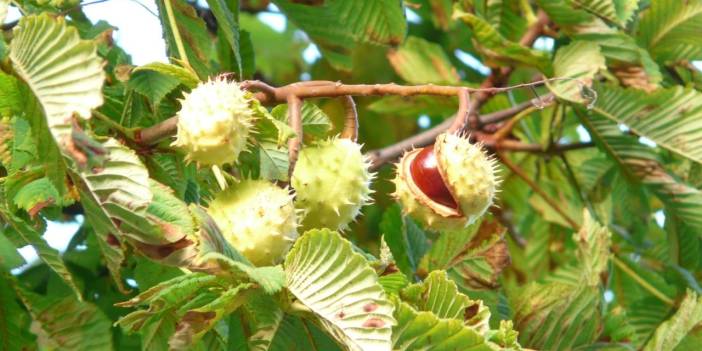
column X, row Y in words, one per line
column 295, row 120
column 392, row 152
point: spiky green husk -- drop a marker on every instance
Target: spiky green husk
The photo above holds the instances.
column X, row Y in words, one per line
column 332, row 183
column 420, row 212
column 258, row 219
column 214, row 123
column 468, row 173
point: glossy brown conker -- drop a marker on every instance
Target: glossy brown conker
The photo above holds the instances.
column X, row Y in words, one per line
column 427, row 176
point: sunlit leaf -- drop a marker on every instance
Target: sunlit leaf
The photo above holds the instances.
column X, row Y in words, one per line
column 63, row 71
column 342, row 291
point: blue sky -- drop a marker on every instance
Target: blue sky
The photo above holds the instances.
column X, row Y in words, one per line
column 139, row 33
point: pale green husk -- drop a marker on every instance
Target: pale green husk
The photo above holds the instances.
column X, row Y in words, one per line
column 258, row 219
column 214, row 123
column 332, row 183
column 468, row 172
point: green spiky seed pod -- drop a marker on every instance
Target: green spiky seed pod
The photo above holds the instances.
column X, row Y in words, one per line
column 214, row 123
column 332, row 183
column 446, row 186
column 258, row 219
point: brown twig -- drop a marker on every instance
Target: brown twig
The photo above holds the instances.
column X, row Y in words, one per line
column 390, row 153
column 316, row 89
column 154, row 134
column 350, row 130
column 326, row 89
column 295, row 120
column 536, row 188
column 460, row 121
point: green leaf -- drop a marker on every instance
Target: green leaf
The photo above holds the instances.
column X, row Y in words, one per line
column 9, row 256
column 557, row 316
column 23, row 149
column 114, row 193
column 393, row 283
column 198, row 43
column 274, row 330
column 579, row 60
column 29, row 236
column 682, row 201
column 565, row 315
column 67, row 324
column 267, row 44
column 477, row 254
column 497, row 50
column 63, row 71
column 13, row 319
column 419, row 61
column 273, row 161
column 228, row 24
column 10, row 96
column 422, row 330
column 671, row 332
column 617, row 11
column 196, row 322
column 153, row 84
column 413, row 106
column 338, row 26
column 271, row 278
column 271, row 128
column 672, row 117
column 36, row 195
column 593, row 242
column 183, row 75
column 440, row 296
column 314, row 121
column 341, row 289
column 571, row 17
column 406, row 241
column 670, row 30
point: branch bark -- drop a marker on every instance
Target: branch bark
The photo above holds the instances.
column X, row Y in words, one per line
column 295, row 120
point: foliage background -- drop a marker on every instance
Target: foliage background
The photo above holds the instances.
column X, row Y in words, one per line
column 566, row 287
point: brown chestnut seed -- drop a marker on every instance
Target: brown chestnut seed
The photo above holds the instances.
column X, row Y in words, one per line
column 426, row 175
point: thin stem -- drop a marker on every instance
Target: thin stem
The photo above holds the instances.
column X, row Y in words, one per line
column 574, row 183
column 125, row 132
column 155, row 133
column 309, row 334
column 554, row 205
column 85, row 4
column 642, row 282
column 390, row 153
column 176, row 32
column 145, row 8
column 295, row 121
column 351, row 119
column 258, row 85
column 506, row 129
column 464, row 112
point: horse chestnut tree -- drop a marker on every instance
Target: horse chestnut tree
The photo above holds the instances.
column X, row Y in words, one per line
column 389, row 194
